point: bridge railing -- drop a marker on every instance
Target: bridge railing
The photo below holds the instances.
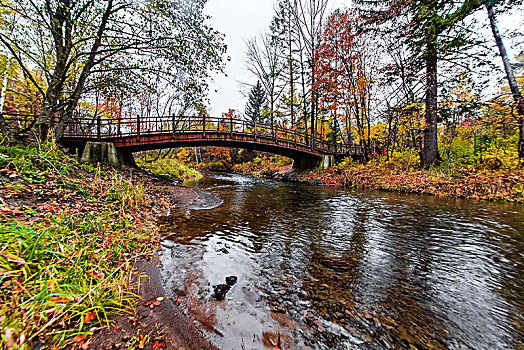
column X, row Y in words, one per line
column 106, row 129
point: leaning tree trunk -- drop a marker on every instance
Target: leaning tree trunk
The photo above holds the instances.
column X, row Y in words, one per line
column 513, row 86
column 430, row 152
column 49, row 107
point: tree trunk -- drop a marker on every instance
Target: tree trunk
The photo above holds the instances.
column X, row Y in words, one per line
column 4, row 127
column 430, row 152
column 513, row 86
column 86, row 71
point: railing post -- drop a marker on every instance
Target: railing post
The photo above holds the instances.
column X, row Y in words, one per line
column 173, row 125
column 98, row 127
column 276, row 134
column 138, row 127
column 255, row 131
column 204, row 125
column 118, row 124
column 231, row 125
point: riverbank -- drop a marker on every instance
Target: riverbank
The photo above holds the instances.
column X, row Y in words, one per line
column 77, row 256
column 505, row 185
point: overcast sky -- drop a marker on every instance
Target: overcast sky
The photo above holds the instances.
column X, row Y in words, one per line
column 238, row 20
column 242, row 19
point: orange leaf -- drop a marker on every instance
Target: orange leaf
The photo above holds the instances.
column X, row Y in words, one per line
column 142, row 343
column 60, row 300
column 158, row 345
column 89, row 316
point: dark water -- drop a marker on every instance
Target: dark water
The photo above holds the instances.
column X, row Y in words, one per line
column 325, row 268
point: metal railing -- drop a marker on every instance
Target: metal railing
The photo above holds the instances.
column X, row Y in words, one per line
column 102, row 128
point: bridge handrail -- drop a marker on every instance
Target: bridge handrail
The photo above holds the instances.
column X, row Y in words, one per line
column 102, row 128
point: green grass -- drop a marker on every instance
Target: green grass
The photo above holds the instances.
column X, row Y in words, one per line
column 56, row 270
column 169, row 167
column 59, row 270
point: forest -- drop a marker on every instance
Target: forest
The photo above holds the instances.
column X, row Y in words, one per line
column 425, row 79
column 429, row 90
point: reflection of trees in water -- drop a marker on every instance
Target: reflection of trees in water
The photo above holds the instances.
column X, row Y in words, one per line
column 403, row 313
column 372, row 263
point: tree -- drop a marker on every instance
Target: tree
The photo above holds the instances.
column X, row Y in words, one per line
column 433, row 26
column 71, row 41
column 345, row 73
column 256, row 102
column 265, row 64
column 308, row 18
column 510, row 76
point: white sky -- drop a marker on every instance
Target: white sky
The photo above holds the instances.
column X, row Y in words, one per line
column 240, row 20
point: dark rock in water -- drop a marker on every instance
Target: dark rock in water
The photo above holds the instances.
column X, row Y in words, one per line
column 223, row 250
column 220, row 291
column 231, row 280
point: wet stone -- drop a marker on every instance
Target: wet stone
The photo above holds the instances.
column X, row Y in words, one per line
column 220, row 291
column 231, row 280
column 280, row 310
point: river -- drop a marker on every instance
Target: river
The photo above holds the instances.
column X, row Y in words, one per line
column 327, row 268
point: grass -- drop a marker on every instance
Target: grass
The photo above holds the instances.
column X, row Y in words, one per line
column 69, row 234
column 263, row 164
column 169, row 167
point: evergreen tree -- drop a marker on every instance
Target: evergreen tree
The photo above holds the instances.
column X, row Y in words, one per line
column 433, row 26
column 256, row 102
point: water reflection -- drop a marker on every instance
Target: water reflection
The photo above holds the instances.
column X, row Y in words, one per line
column 326, row 268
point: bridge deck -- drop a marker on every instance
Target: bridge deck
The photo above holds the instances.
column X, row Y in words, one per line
column 138, row 133
column 184, row 131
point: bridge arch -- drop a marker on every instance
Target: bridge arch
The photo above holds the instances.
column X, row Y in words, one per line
column 132, row 135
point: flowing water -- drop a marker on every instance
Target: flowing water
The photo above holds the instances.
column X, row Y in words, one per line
column 326, row 268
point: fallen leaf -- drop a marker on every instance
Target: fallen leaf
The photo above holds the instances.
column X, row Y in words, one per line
column 89, row 316
column 142, row 343
column 13, row 258
column 158, row 345
column 85, row 346
column 60, row 300
column 79, row 338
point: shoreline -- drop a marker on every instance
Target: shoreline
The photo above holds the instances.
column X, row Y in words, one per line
column 157, row 314
column 502, row 186
column 101, row 236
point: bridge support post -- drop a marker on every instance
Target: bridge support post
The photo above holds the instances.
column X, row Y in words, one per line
column 98, row 127
column 138, row 127
column 314, row 163
column 106, row 153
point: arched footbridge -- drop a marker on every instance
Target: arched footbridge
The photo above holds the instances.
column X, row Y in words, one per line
column 140, row 134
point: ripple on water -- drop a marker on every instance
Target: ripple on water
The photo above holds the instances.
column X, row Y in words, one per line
column 328, row 268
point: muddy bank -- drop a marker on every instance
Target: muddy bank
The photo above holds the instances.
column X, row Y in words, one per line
column 157, row 319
